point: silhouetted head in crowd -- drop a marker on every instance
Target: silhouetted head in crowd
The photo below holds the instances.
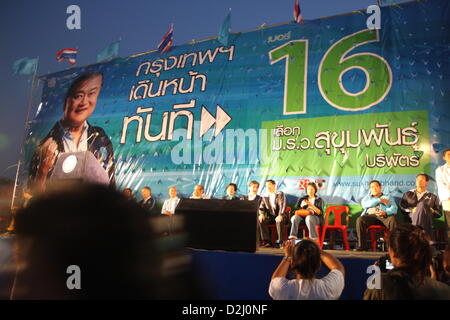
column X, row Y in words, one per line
column 410, row 250
column 306, row 259
column 95, row 228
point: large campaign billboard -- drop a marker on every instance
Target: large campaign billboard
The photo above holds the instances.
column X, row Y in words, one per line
column 328, row 100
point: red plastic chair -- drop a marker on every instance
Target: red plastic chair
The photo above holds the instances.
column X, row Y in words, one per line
column 337, row 211
column 273, row 229
column 373, row 234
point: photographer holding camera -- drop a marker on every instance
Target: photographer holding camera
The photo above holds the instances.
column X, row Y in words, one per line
column 305, row 259
column 411, row 256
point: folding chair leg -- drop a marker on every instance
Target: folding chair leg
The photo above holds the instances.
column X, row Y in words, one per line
column 322, row 238
column 373, row 240
column 345, row 238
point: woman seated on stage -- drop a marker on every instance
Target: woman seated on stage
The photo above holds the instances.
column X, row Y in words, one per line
column 411, row 255
column 309, row 209
column 305, row 259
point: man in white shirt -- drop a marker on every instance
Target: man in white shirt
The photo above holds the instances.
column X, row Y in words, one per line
column 168, row 208
column 170, row 204
column 443, row 184
column 199, row 193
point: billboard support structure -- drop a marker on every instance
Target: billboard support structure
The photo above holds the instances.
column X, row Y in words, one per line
column 27, row 124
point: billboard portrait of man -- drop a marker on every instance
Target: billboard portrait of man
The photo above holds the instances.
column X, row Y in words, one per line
column 73, row 133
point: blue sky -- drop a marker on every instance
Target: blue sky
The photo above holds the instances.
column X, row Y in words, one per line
column 38, row 29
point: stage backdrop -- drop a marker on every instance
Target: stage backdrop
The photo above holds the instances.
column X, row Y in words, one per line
column 327, row 101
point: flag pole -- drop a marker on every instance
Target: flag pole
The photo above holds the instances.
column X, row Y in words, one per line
column 21, row 153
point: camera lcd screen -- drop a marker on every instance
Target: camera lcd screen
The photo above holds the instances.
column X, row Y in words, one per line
column 389, row 265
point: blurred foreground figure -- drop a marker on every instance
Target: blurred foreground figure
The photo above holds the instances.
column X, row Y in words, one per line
column 411, row 256
column 97, row 230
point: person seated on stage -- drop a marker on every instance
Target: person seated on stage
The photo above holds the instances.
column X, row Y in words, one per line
column 410, row 253
column 271, row 211
column 421, row 205
column 305, row 259
column 199, row 193
column 379, row 209
column 170, row 204
column 128, row 194
column 443, row 185
column 147, row 202
column 231, row 192
column 253, row 188
column 168, row 208
column 309, row 209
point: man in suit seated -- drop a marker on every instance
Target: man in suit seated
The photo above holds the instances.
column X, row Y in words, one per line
column 253, row 188
column 271, row 211
column 421, row 205
column 147, row 202
column 231, row 192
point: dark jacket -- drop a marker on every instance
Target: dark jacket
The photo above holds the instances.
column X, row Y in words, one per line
column 257, row 198
column 235, row 197
column 148, row 205
column 98, row 143
column 318, row 202
column 280, row 205
column 430, row 200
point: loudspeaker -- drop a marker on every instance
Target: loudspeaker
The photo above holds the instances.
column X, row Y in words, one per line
column 220, row 224
column 79, row 166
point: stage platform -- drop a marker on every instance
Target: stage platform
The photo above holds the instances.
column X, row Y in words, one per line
column 233, row 275
column 246, row 276
column 336, row 253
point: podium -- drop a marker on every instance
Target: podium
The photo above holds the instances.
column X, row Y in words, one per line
column 229, row 225
column 79, row 166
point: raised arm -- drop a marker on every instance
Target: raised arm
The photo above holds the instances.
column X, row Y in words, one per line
column 285, row 263
column 331, row 262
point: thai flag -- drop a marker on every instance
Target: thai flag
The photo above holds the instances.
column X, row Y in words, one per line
column 167, row 41
column 297, row 12
column 67, row 54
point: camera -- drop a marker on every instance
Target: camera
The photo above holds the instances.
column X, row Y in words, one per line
column 384, row 263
